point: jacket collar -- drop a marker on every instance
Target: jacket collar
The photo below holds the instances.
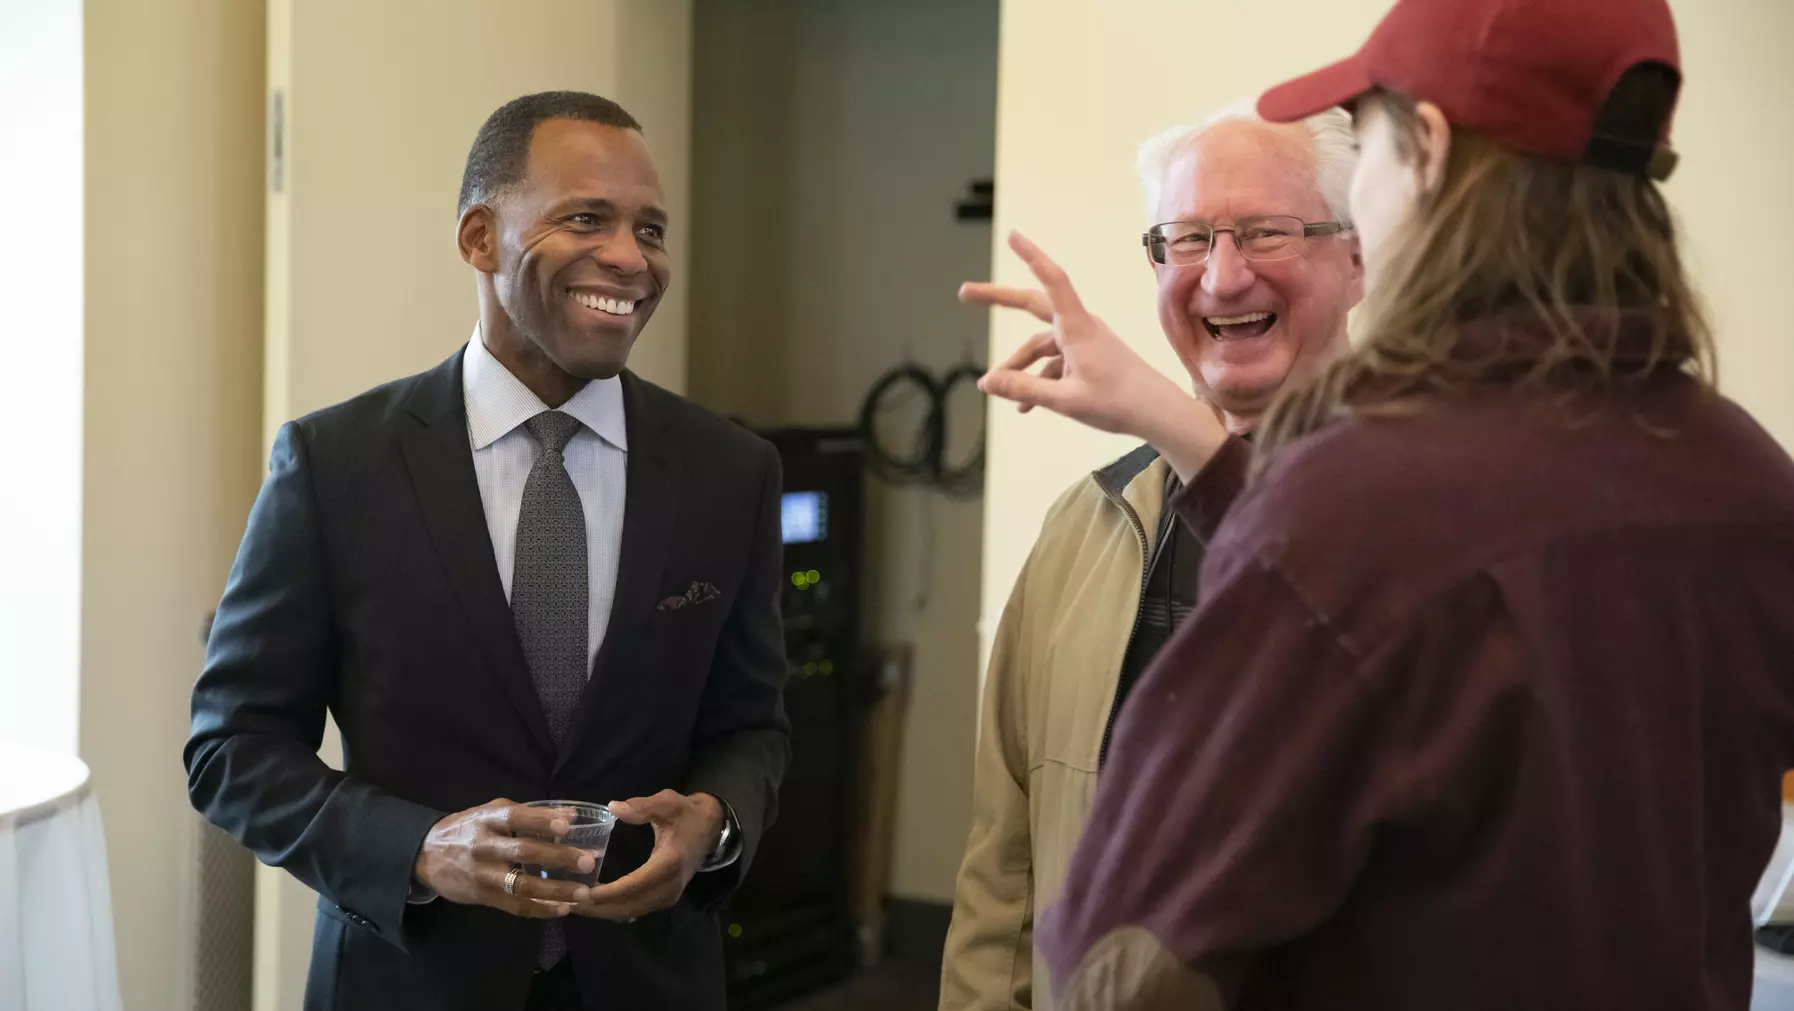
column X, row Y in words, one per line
column 1135, row 484
column 1115, row 478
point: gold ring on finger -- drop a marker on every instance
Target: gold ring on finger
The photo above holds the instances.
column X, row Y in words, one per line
column 511, row 877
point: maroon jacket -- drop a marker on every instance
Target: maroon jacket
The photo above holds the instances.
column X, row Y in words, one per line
column 1482, row 708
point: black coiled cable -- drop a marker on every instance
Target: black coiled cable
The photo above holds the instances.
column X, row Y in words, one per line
column 922, row 462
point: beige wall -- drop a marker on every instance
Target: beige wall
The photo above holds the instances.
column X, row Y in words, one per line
column 364, row 284
column 653, row 81
column 173, row 413
column 1736, row 139
column 831, row 139
column 1077, row 94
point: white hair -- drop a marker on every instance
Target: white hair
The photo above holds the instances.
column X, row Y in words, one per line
column 1335, row 154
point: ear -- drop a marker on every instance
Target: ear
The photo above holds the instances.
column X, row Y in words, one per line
column 1434, row 142
column 1355, row 287
column 476, row 234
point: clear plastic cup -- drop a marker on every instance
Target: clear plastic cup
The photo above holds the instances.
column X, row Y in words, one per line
column 590, row 832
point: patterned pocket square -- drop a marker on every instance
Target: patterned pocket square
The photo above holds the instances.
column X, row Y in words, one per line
column 699, row 593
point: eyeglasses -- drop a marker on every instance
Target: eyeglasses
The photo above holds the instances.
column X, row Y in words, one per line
column 1270, row 237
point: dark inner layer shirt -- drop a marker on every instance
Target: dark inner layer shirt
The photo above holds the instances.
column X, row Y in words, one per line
column 1171, row 592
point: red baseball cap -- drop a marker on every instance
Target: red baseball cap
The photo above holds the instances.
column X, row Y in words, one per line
column 1533, row 75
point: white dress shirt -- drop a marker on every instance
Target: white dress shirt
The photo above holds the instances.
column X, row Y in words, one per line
column 597, row 460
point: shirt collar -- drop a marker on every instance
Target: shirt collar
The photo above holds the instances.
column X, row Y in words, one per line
column 498, row 402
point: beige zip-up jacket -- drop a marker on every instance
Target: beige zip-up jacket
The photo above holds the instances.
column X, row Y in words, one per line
column 1055, row 665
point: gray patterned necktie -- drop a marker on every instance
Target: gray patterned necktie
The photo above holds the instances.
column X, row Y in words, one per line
column 549, row 591
column 548, row 581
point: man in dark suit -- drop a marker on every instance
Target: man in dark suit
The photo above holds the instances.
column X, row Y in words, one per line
column 527, row 574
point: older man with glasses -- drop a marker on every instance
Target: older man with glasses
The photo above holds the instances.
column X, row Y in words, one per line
column 1256, row 271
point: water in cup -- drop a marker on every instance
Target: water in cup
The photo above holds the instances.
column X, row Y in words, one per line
column 591, row 825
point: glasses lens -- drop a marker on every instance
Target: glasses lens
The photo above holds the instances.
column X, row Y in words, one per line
column 1270, row 238
column 1184, row 242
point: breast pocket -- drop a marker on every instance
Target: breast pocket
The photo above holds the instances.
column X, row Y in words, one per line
column 658, row 670
column 687, row 636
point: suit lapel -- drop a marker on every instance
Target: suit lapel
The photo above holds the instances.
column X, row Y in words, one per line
column 650, row 511
column 441, row 464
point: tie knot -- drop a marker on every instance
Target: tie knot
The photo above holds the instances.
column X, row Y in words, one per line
column 552, row 429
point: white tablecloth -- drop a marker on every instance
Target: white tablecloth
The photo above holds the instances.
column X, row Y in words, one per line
column 1775, row 983
column 56, row 948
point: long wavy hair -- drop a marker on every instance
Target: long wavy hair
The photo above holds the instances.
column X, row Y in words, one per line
column 1569, row 248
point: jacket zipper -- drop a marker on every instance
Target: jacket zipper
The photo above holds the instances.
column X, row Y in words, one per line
column 1121, row 685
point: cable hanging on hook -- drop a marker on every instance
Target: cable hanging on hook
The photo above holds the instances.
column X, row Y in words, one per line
column 920, row 458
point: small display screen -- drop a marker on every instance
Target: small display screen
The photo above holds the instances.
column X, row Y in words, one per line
column 804, row 516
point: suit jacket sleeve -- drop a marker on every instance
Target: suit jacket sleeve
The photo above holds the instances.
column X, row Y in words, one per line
column 742, row 742
column 258, row 718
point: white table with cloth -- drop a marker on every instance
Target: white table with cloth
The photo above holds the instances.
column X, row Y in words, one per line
column 56, row 946
column 1774, row 990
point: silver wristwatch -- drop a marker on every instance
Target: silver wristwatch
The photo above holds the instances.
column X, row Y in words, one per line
column 725, row 843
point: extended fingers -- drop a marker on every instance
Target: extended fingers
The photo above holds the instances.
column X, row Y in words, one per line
column 1023, row 388
column 1055, row 369
column 1059, row 291
column 1026, row 299
column 1042, row 345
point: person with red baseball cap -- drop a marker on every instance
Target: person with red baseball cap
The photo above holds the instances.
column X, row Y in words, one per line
column 1488, row 694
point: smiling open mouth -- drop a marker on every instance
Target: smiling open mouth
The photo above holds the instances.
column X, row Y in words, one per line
column 604, row 304
column 1239, row 328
